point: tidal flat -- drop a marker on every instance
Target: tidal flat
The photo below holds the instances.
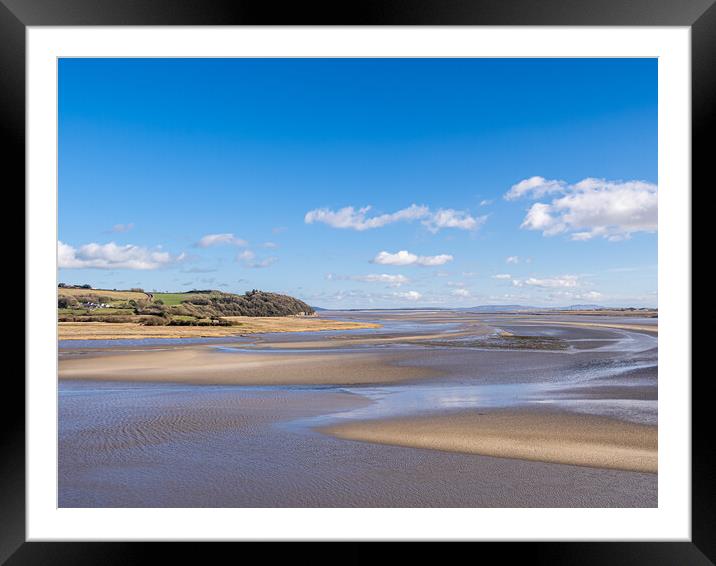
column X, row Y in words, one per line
column 427, row 409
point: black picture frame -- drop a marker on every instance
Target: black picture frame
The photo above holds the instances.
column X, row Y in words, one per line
column 17, row 15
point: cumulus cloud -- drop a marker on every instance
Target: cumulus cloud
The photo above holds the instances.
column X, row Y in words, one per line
column 512, row 259
column 112, row 256
column 449, row 218
column 563, row 281
column 534, row 187
column 502, row 276
column 590, row 208
column 358, row 219
column 540, row 217
column 219, row 240
column 404, row 257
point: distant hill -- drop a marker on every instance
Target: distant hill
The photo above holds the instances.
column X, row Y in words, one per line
column 197, row 307
column 500, row 308
column 526, row 308
column 252, row 303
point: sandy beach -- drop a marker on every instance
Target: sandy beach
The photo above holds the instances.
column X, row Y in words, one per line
column 242, row 325
column 582, row 440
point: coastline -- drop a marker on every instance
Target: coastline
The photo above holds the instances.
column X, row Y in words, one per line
column 242, row 325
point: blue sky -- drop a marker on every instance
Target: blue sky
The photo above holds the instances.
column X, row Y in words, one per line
column 489, row 181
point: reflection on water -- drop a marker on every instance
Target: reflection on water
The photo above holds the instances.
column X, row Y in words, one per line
column 397, row 401
column 642, row 411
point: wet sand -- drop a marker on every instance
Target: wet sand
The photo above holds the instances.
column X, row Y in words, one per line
column 368, row 418
column 562, row 438
column 628, row 326
column 211, row 366
column 168, row 445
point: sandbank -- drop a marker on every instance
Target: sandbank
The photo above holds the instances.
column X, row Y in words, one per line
column 204, row 365
column 539, row 435
column 242, row 325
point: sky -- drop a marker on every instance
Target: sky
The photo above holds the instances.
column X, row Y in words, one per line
column 363, row 183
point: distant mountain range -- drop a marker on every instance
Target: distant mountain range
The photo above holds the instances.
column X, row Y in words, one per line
column 521, row 308
column 479, row 308
column 496, row 308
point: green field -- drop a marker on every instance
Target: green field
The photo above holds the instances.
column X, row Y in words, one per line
column 102, row 311
column 172, row 299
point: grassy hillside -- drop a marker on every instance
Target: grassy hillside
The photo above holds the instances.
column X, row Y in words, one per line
column 194, row 308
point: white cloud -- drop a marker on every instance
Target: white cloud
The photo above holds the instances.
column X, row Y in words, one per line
column 404, row 257
column 512, row 259
column 563, row 281
column 596, row 208
column 349, row 217
column 502, row 276
column 534, row 187
column 112, row 256
column 462, row 293
column 539, row 217
column 269, row 245
column 449, row 218
column 486, row 202
column 220, row 239
column 409, row 295
column 358, row 219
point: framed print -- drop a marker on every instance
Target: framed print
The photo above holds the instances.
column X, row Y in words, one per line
column 390, row 276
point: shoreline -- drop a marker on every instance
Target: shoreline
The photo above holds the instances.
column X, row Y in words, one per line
column 535, row 435
column 245, row 325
